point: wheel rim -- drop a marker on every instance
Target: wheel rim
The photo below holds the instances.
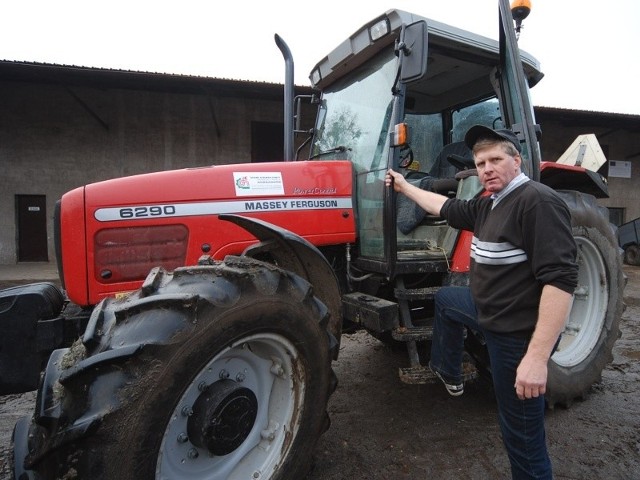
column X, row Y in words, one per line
column 264, row 367
column 589, row 309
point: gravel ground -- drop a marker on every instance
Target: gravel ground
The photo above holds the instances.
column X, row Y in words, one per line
column 384, row 429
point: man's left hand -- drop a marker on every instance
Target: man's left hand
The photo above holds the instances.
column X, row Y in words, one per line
column 531, row 377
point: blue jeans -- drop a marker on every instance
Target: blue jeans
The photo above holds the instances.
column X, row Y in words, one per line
column 521, row 421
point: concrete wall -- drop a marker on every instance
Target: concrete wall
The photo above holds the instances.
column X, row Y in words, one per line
column 618, row 143
column 624, row 192
column 56, row 138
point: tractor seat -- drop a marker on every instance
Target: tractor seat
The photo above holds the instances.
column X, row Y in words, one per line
column 452, row 158
column 441, row 178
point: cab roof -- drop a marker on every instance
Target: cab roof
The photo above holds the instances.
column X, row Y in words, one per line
column 459, row 62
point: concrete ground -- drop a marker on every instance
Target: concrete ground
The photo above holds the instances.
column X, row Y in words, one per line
column 32, row 271
column 383, row 429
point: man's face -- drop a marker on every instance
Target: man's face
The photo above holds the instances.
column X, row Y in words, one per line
column 496, row 168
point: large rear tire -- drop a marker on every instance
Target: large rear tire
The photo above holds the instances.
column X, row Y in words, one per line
column 231, row 379
column 593, row 325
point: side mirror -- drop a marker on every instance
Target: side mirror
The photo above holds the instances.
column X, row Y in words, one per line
column 413, row 48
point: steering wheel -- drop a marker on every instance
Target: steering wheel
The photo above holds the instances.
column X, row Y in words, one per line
column 406, row 156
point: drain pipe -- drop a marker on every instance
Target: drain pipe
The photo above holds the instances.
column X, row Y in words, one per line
column 288, row 98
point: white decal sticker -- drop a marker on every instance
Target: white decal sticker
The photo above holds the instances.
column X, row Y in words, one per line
column 258, row 183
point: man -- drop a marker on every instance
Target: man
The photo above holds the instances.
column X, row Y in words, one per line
column 523, row 274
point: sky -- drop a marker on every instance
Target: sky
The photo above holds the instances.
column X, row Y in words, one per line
column 587, row 49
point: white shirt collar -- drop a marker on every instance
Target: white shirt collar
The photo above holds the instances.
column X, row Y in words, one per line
column 513, row 184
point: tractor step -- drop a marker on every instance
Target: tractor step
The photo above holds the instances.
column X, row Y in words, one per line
column 412, row 334
column 415, row 293
column 423, row 375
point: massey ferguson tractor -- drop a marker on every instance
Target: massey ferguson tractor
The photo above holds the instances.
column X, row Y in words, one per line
column 201, row 309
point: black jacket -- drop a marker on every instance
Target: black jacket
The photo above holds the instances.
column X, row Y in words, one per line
column 519, row 246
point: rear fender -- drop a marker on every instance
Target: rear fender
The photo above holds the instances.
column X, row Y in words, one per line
column 569, row 177
column 295, row 254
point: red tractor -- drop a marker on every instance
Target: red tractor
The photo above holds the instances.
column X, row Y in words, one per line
column 204, row 307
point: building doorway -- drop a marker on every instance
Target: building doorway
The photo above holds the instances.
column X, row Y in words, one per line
column 31, row 222
column 267, row 142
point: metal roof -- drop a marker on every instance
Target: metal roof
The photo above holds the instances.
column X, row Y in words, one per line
column 72, row 75
column 579, row 118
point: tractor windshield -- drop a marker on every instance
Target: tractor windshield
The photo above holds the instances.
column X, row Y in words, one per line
column 354, row 116
column 353, row 123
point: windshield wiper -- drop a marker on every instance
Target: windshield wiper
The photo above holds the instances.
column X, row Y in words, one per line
column 338, row 149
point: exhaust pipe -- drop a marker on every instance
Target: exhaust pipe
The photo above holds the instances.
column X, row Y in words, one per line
column 288, row 98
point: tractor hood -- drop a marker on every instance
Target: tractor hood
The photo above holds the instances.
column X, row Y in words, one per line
column 129, row 225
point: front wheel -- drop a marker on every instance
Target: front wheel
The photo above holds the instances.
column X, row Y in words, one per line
column 226, row 374
column 593, row 325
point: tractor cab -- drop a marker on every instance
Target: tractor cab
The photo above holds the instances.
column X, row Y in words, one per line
column 401, row 93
